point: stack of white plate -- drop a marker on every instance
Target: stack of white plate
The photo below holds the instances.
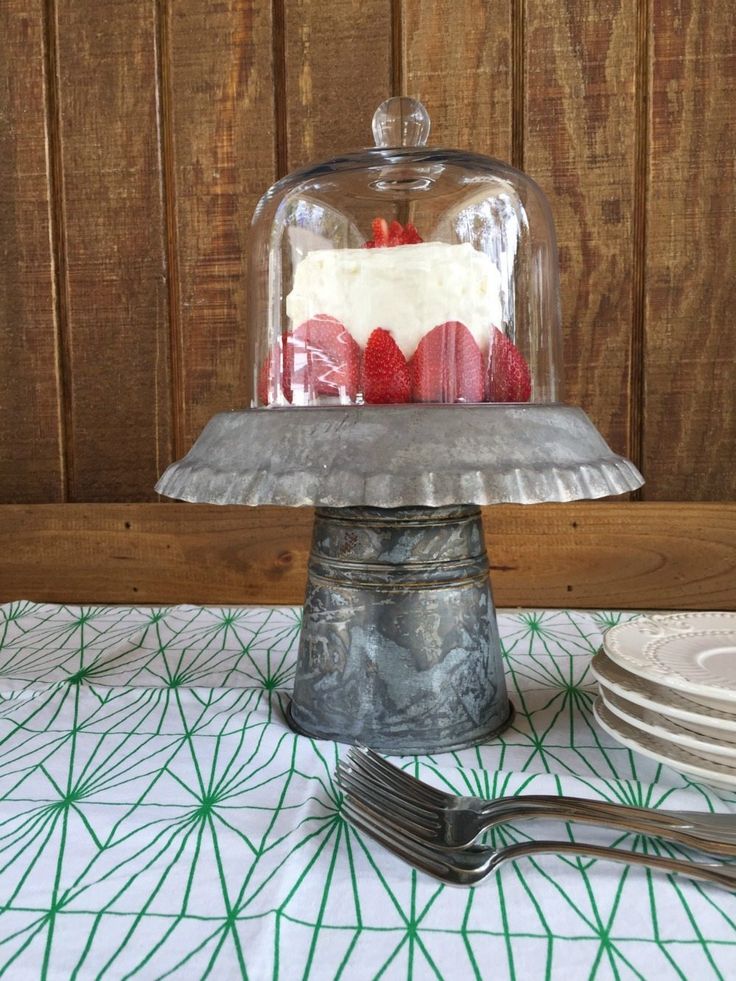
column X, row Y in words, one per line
column 668, row 690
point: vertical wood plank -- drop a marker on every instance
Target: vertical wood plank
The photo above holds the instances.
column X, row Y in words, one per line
column 338, row 70
column 116, row 257
column 689, row 438
column 31, row 453
column 463, row 75
column 580, row 146
column 219, row 93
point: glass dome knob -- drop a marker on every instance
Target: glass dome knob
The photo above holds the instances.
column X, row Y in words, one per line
column 401, row 121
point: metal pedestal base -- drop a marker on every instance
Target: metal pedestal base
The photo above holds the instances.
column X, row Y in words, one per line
column 399, row 648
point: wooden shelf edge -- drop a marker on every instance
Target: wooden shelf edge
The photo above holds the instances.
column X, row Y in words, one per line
column 590, row 555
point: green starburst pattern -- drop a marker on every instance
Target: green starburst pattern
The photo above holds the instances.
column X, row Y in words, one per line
column 159, row 819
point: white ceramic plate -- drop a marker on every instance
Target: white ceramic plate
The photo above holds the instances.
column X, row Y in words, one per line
column 710, row 750
column 713, row 774
column 693, row 653
column 709, row 721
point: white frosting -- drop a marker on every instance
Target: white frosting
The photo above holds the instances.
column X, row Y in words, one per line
column 408, row 289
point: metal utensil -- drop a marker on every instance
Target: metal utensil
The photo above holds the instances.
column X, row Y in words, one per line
column 437, row 818
column 469, row 866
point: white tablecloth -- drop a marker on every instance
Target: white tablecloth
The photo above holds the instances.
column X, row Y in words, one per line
column 158, row 817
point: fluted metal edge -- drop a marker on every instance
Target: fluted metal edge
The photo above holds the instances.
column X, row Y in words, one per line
column 394, row 456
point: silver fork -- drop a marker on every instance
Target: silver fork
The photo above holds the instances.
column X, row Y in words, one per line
column 469, row 866
column 437, row 818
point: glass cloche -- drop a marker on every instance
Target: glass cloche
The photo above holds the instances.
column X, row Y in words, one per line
column 403, row 273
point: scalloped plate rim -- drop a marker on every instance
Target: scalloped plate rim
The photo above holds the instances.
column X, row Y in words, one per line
column 711, row 748
column 724, row 781
column 635, row 663
column 687, row 713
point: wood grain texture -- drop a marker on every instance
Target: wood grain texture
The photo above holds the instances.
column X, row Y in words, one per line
column 338, row 71
column 464, row 76
column 31, row 457
column 579, row 144
column 158, row 123
column 627, row 556
column 689, row 437
column 115, row 253
column 219, row 95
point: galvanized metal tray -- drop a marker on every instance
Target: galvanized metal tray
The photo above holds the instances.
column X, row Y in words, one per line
column 399, row 455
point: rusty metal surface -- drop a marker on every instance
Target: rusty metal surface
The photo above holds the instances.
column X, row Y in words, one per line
column 399, row 647
column 397, row 455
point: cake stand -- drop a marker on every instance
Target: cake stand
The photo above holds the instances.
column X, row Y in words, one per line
column 399, row 647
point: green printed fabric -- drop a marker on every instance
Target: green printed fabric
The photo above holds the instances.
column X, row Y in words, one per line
column 159, row 819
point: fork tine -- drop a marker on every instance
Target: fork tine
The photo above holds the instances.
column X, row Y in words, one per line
column 379, row 769
column 426, row 860
column 419, row 820
column 390, row 771
column 366, row 785
column 370, row 786
column 400, row 824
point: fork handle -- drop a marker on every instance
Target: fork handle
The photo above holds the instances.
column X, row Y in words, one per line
column 713, row 827
column 724, row 875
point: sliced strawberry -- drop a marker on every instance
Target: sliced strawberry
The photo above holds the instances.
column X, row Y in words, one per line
column 379, row 227
column 395, row 233
column 411, row 235
column 447, row 366
column 275, row 369
column 325, row 359
column 391, row 235
column 508, row 378
column 385, row 371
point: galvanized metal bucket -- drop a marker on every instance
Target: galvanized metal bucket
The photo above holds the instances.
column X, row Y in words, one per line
column 399, row 647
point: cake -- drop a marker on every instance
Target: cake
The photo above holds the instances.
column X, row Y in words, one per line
column 398, row 320
column 406, row 291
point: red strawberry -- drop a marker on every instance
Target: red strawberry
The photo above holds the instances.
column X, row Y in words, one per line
column 393, row 234
column 447, row 366
column 509, row 378
column 379, row 227
column 276, row 369
column 325, row 359
column 411, row 235
column 385, row 371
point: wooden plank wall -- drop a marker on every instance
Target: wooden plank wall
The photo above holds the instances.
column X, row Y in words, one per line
column 32, row 465
column 137, row 136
